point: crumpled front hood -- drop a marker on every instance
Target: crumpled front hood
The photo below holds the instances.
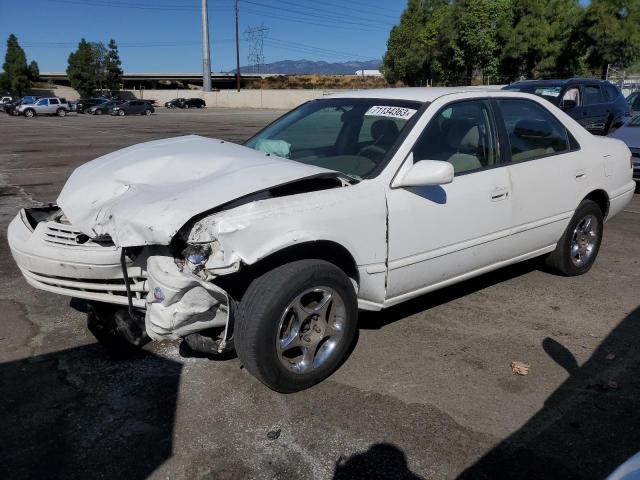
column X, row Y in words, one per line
column 143, row 194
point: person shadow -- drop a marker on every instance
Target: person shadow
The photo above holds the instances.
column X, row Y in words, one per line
column 381, row 461
column 77, row 414
column 588, row 426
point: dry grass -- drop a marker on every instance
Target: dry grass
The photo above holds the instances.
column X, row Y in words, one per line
column 311, row 82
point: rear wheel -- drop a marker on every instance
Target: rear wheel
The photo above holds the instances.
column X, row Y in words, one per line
column 186, row 105
column 98, row 111
column 147, row 112
column 578, row 248
column 296, row 324
column 61, row 112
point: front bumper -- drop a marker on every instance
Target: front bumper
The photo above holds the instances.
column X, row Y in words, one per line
column 58, row 258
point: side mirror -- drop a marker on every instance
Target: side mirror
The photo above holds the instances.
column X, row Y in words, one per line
column 568, row 104
column 426, row 172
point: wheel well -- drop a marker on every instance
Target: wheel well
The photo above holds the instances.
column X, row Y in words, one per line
column 602, row 199
column 236, row 284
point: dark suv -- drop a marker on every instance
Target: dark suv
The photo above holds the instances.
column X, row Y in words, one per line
column 597, row 105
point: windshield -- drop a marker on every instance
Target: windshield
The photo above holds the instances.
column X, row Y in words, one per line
column 352, row 136
column 549, row 91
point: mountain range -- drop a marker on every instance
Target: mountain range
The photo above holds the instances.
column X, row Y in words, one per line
column 307, row 67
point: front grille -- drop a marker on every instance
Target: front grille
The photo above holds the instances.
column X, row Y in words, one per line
column 110, row 291
column 61, row 234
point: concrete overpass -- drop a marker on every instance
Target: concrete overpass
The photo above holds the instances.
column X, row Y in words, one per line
column 160, row 80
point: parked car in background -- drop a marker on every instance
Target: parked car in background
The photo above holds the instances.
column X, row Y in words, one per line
column 255, row 247
column 186, row 103
column 634, row 102
column 629, row 133
column 597, row 105
column 105, row 107
column 133, row 107
column 84, row 104
column 5, row 100
column 45, row 106
column 11, row 107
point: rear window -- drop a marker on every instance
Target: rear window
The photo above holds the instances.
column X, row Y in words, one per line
column 611, row 92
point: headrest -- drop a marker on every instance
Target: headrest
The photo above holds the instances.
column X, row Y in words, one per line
column 384, row 131
column 462, row 135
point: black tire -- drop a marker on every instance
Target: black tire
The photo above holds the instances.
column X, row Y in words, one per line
column 121, row 113
column 262, row 308
column 29, row 112
column 561, row 260
column 97, row 112
column 147, row 112
column 61, row 112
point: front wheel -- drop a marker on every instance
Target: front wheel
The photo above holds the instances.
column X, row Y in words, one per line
column 578, row 248
column 98, row 112
column 296, row 324
column 29, row 113
column 147, row 112
column 121, row 113
column 61, row 112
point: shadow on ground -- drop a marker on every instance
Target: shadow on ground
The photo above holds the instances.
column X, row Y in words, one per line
column 381, row 461
column 588, row 426
column 105, row 420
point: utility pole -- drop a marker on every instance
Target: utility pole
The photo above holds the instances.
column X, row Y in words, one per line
column 206, row 58
column 235, row 6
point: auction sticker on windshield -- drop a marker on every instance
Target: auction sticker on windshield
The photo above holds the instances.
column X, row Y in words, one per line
column 388, row 111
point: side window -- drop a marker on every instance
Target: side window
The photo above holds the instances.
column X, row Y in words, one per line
column 462, row 134
column 572, row 94
column 42, row 102
column 532, row 130
column 54, row 101
column 591, row 95
column 611, row 92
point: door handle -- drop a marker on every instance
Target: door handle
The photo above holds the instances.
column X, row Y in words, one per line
column 499, row 193
column 581, row 173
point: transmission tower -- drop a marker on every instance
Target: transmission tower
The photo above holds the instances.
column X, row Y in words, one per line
column 255, row 36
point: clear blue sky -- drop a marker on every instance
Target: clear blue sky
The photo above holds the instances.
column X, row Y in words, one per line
column 164, row 35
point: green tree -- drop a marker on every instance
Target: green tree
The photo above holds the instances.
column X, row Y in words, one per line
column 15, row 77
column 479, row 24
column 611, row 33
column 416, row 45
column 542, row 40
column 34, row 71
column 86, row 67
column 113, row 70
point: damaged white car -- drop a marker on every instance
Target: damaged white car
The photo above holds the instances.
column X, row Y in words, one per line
column 360, row 200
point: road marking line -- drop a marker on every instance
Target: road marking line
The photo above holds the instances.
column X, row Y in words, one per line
column 631, row 211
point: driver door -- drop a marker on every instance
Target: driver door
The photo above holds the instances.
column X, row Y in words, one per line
column 444, row 232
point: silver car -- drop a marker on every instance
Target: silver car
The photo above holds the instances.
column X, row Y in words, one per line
column 630, row 134
column 45, row 106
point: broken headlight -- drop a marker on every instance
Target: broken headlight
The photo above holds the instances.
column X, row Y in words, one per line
column 196, row 256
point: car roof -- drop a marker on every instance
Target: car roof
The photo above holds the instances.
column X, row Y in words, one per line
column 559, row 81
column 417, row 94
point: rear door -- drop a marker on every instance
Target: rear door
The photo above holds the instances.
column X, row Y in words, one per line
column 594, row 109
column 546, row 171
column 54, row 104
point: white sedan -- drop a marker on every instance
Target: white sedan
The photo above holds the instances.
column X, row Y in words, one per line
column 360, row 200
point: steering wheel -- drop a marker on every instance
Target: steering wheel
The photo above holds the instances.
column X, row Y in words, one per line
column 372, row 152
